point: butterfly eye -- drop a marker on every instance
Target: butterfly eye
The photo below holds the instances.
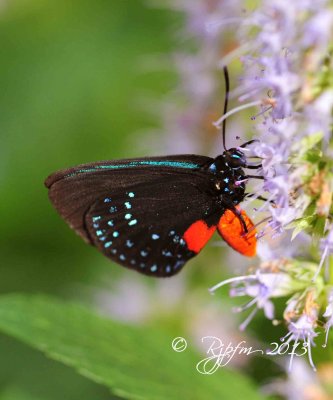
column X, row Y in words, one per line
column 236, row 158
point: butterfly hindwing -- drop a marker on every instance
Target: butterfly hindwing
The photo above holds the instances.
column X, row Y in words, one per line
column 144, row 227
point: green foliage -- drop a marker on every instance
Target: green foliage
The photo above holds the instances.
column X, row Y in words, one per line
column 135, row 363
column 14, row 393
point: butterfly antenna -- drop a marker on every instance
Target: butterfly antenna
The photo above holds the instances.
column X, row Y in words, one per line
column 226, row 98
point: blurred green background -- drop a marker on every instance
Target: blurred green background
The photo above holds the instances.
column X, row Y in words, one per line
column 69, row 77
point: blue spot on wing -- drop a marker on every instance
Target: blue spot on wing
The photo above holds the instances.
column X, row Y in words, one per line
column 212, row 168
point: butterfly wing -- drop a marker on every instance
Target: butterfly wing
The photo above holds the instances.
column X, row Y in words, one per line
column 73, row 191
column 151, row 215
column 143, row 227
column 231, row 230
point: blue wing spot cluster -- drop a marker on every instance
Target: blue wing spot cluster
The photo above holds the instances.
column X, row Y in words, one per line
column 119, row 236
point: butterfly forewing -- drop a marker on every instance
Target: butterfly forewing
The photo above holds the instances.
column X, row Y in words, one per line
column 73, row 191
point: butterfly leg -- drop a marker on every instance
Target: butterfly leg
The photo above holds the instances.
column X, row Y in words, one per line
column 249, row 142
column 259, row 198
column 254, row 166
column 239, row 216
column 255, row 177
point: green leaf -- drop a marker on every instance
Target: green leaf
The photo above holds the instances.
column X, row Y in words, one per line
column 134, row 362
column 306, row 148
column 319, row 226
column 13, row 393
column 300, row 225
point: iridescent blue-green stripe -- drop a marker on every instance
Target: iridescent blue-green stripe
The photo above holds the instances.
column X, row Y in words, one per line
column 131, row 164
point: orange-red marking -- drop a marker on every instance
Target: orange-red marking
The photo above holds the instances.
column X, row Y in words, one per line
column 197, row 235
column 231, row 230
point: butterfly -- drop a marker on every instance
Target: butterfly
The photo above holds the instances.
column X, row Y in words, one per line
column 154, row 214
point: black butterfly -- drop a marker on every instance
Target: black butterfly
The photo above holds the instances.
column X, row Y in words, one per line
column 154, row 214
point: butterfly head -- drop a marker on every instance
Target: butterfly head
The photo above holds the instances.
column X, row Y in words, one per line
column 235, row 158
column 232, row 159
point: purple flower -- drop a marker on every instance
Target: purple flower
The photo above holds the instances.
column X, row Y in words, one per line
column 329, row 316
column 297, row 384
column 302, row 330
column 261, row 287
column 318, row 30
column 283, row 46
column 302, row 314
column 326, row 247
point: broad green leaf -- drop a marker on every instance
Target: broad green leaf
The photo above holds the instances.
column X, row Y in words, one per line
column 134, row 362
column 13, row 393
